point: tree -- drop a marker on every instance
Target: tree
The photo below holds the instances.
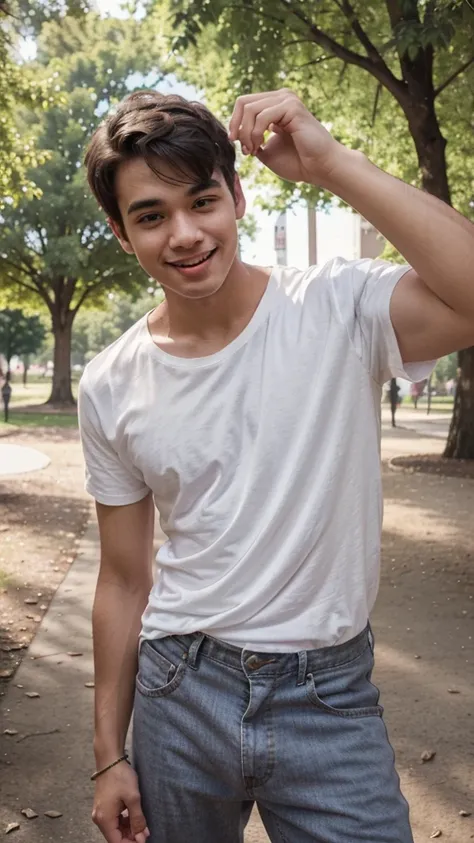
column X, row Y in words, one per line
column 369, row 70
column 20, row 335
column 57, row 247
column 20, row 87
column 95, row 329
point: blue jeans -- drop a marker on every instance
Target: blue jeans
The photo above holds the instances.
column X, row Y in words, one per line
column 217, row 728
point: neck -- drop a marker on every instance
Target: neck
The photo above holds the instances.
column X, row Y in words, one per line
column 216, row 315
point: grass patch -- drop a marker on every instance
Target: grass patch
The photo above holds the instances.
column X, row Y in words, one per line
column 18, row 419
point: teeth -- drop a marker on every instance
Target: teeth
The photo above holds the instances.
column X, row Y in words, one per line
column 196, row 263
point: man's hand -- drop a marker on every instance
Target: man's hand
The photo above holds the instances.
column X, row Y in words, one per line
column 117, row 806
column 300, row 148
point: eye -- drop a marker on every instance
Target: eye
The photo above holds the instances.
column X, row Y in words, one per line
column 155, row 217
column 204, row 202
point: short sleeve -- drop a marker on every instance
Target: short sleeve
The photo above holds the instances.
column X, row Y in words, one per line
column 362, row 290
column 108, row 480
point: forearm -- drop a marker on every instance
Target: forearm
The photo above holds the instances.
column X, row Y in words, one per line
column 433, row 238
column 116, row 622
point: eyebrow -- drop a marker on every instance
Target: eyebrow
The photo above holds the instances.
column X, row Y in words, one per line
column 142, row 204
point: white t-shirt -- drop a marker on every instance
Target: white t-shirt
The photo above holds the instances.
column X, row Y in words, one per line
column 263, row 459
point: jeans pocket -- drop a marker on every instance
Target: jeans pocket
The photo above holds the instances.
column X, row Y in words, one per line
column 157, row 675
column 346, row 690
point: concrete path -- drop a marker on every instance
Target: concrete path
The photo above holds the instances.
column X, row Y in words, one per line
column 436, row 424
column 18, row 459
column 46, row 764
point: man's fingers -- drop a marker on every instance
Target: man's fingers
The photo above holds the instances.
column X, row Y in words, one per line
column 247, row 99
column 109, row 827
column 137, row 821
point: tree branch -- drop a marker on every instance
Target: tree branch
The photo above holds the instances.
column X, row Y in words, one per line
column 296, row 41
column 23, row 283
column 90, row 289
column 454, row 76
column 357, row 28
column 376, row 104
column 377, row 68
column 320, row 60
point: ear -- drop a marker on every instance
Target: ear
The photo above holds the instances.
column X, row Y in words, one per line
column 240, row 202
column 119, row 232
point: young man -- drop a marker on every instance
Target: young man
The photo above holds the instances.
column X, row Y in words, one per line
column 246, row 408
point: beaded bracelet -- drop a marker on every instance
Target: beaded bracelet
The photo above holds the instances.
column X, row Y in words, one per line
column 109, row 767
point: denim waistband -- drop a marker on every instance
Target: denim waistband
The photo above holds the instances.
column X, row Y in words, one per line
column 267, row 663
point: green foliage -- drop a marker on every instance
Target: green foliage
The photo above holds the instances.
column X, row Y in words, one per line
column 21, row 89
column 20, row 335
column 57, row 245
column 348, row 61
column 94, row 329
column 446, row 369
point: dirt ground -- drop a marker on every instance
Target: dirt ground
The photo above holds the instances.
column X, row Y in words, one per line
column 42, row 517
column 423, row 620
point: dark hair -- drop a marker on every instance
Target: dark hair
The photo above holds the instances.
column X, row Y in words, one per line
column 161, row 129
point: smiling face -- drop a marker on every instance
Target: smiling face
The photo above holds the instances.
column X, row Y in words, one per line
column 183, row 235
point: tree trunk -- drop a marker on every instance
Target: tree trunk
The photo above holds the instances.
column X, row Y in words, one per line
column 61, row 392
column 26, row 366
column 431, row 150
column 460, row 444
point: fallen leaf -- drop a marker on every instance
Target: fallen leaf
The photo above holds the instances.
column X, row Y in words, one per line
column 53, row 814
column 29, row 813
column 31, row 601
column 18, row 646
column 6, row 648
column 436, row 833
column 417, row 657
column 11, row 827
column 5, row 674
column 89, row 684
column 453, row 691
column 427, row 755
column 32, row 694
column 464, row 813
column 43, row 607
column 73, row 655
column 10, row 731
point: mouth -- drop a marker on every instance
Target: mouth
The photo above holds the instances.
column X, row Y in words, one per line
column 193, row 263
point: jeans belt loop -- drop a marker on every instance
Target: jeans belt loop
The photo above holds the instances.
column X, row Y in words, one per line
column 194, row 650
column 302, row 667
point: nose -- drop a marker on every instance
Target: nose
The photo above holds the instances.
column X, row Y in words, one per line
column 185, row 233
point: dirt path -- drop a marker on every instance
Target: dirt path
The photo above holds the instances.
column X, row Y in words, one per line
column 42, row 517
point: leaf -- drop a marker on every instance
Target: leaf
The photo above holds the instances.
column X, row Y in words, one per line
column 5, row 674
column 464, row 813
column 29, row 813
column 427, row 755
column 31, row 601
column 53, row 814
column 12, row 827
column 89, row 684
column 32, row 694
column 74, row 655
column 436, row 833
column 10, row 731
column 453, row 691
